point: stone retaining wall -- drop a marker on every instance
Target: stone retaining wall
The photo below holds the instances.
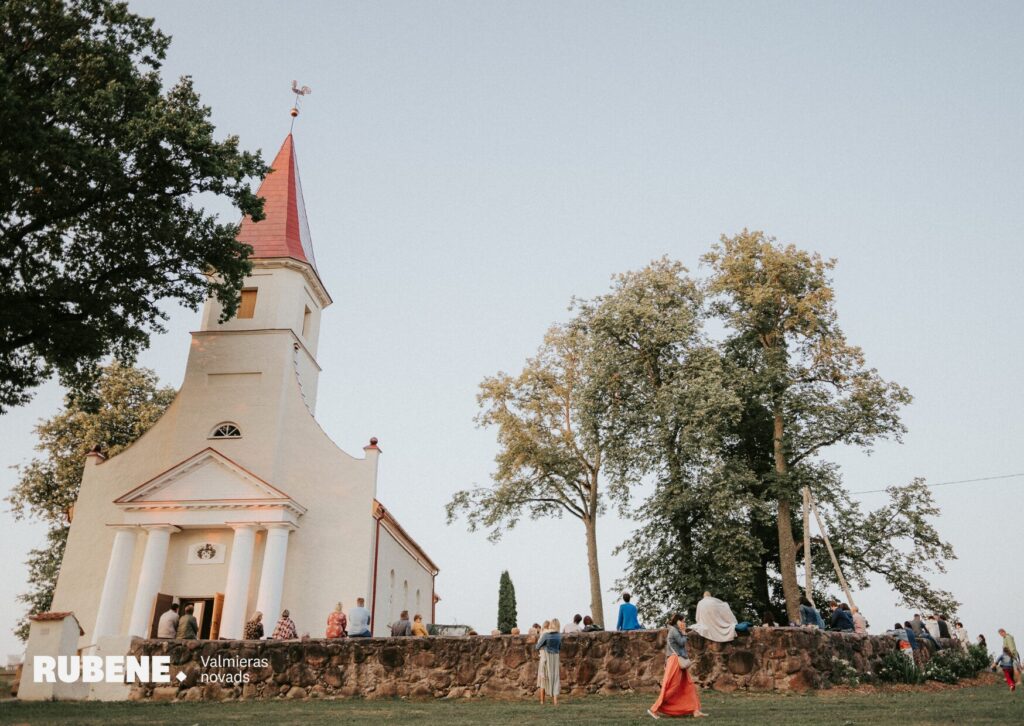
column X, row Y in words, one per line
column 768, row 659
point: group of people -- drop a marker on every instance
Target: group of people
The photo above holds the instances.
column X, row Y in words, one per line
column 173, row 625
column 354, row 624
column 842, row 617
column 1009, row 660
column 920, row 638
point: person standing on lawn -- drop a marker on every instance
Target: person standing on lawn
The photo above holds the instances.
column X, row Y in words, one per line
column 678, row 695
column 550, row 645
column 1007, row 663
column 1010, row 644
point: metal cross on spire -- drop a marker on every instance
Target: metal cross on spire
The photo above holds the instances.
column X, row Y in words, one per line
column 299, row 92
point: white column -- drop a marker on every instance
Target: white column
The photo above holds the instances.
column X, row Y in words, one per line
column 236, row 591
column 151, row 577
column 268, row 601
column 115, row 586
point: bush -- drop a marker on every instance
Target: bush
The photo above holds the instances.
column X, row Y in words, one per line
column 979, row 658
column 952, row 664
column 898, row 668
column 945, row 666
column 843, row 673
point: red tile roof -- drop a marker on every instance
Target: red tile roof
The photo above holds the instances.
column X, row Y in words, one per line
column 284, row 232
column 57, row 616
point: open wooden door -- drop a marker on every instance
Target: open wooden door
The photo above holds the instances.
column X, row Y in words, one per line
column 218, row 608
column 163, row 603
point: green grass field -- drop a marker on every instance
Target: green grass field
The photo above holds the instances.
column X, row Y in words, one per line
column 988, row 704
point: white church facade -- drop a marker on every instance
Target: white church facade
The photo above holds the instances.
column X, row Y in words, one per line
column 236, row 500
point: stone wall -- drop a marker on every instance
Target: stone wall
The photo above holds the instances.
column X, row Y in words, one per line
column 500, row 667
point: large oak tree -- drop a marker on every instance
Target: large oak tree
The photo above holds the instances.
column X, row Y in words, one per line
column 778, row 303
column 100, row 168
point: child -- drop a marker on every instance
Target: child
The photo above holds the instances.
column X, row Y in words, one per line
column 1005, row 661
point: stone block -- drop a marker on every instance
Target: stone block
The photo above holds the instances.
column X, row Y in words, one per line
column 740, row 662
column 164, row 693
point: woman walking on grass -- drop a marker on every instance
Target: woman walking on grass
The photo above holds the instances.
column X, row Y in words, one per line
column 678, row 691
column 550, row 645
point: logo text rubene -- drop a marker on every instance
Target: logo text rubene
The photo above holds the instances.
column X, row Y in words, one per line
column 99, row 669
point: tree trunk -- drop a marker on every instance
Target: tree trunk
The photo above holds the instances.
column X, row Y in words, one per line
column 787, row 546
column 596, row 604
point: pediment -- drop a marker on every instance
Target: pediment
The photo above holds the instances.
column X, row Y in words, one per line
column 204, row 479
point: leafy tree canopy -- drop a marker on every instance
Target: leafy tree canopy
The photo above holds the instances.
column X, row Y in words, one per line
column 699, row 417
column 99, row 172
column 550, row 447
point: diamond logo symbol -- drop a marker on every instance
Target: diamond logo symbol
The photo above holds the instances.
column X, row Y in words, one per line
column 180, row 676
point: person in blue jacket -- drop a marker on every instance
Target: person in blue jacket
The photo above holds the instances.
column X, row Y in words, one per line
column 627, row 615
column 842, row 618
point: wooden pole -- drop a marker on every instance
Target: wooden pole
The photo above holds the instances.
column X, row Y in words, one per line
column 832, row 554
column 807, row 545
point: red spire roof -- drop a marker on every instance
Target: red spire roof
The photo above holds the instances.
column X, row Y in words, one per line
column 284, row 232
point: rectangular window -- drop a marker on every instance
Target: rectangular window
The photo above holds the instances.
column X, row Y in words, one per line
column 248, row 305
column 307, row 321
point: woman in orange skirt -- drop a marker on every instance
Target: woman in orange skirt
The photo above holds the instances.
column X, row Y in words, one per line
column 678, row 691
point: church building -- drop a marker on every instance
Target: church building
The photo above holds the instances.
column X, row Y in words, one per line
column 236, row 501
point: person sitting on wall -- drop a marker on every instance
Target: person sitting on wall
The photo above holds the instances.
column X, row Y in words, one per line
column 809, row 614
column 285, row 628
column 627, row 615
column 359, row 620
column 254, row 627
column 188, row 626
column 418, row 628
column 337, row 623
column 168, row 625
column 402, row 626
column 841, row 619
column 715, row 619
column 574, row 626
column 589, row 626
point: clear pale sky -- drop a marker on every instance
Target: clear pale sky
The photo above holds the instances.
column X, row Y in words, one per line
column 470, row 166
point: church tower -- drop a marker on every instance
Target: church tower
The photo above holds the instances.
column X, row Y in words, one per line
column 284, row 291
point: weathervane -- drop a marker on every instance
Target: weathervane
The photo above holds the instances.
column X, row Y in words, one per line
column 299, row 92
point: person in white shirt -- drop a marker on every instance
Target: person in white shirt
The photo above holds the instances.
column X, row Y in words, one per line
column 167, row 626
column 932, row 626
column 574, row 626
column 359, row 620
column 960, row 633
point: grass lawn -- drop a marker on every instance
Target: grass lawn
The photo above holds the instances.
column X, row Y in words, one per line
column 987, row 704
